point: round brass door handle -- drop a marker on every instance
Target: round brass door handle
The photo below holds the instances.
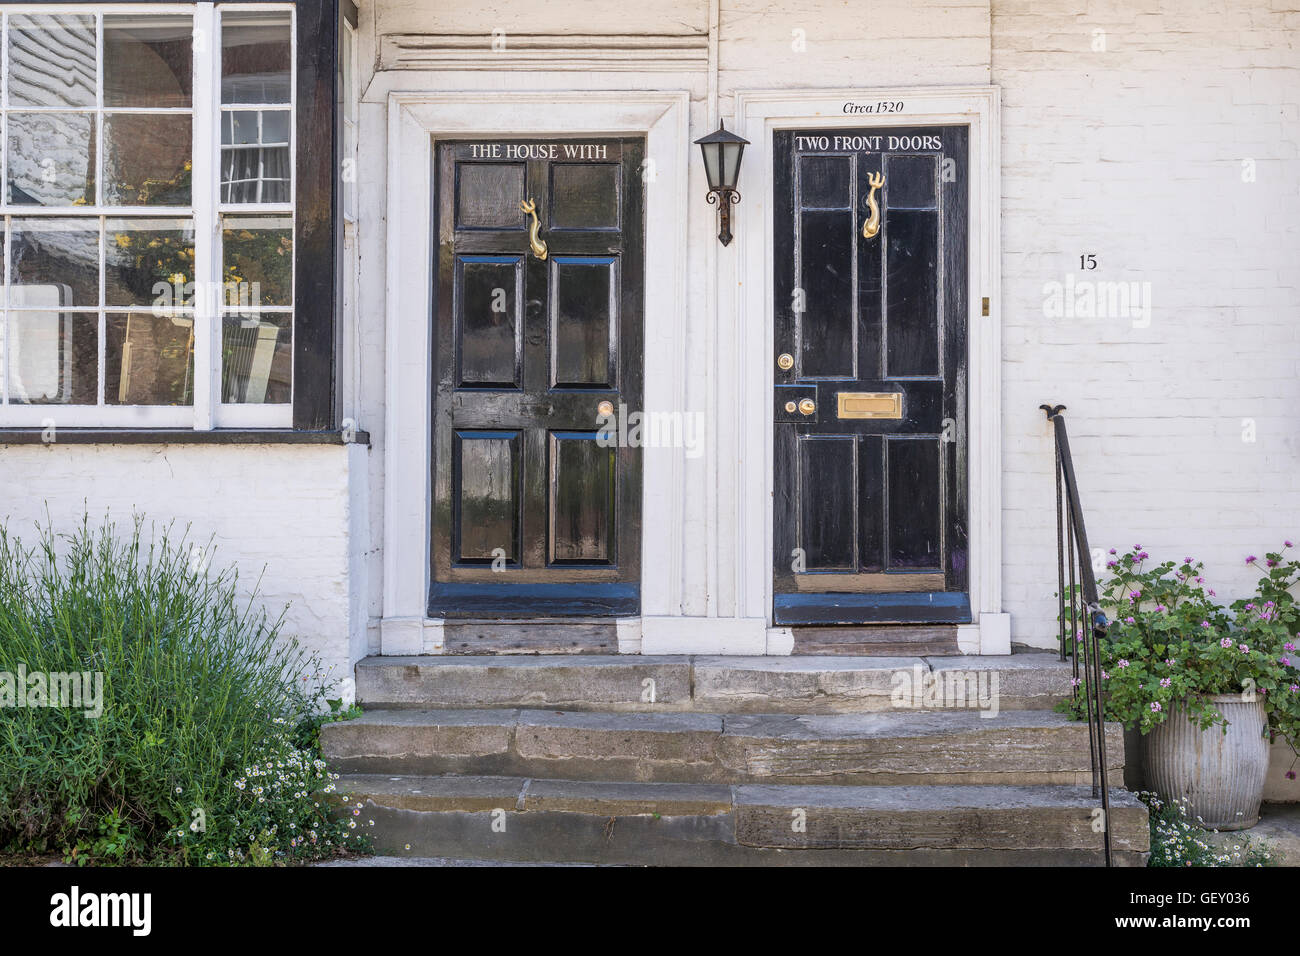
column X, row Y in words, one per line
column 807, row 406
column 785, row 361
column 605, row 408
column 790, row 407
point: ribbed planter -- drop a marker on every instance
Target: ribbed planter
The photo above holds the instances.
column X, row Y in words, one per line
column 1220, row 776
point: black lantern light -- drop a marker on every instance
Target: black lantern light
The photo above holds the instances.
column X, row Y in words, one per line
column 722, row 151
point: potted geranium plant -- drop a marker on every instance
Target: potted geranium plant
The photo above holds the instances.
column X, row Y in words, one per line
column 1207, row 686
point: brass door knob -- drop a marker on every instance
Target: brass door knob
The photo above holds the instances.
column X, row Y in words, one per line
column 790, row 407
column 785, row 361
column 807, row 406
column 605, row 408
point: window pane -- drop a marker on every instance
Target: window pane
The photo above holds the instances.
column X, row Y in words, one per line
column 256, row 57
column 255, row 156
column 149, row 360
column 144, row 259
column 257, row 358
column 53, row 358
column 257, row 261
column 148, row 60
column 54, row 263
column 51, row 159
column 52, row 60
column 147, row 159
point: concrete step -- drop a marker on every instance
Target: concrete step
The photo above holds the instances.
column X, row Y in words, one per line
column 528, row 820
column 727, row 685
column 904, row 747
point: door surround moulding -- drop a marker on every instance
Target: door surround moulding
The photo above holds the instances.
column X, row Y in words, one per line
column 415, row 120
column 758, row 113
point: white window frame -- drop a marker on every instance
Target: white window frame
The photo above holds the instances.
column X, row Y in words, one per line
column 205, row 211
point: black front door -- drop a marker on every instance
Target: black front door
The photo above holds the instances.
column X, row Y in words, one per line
column 538, row 312
column 870, row 415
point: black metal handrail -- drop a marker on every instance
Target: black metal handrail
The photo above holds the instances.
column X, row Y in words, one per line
column 1080, row 607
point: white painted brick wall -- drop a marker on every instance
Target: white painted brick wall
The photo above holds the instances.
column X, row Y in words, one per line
column 278, row 511
column 1134, row 154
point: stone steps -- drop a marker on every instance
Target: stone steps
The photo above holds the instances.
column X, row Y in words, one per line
column 901, row 747
column 720, row 685
column 690, row 760
column 520, row 819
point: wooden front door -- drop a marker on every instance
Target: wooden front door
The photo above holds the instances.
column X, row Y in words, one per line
column 538, row 326
column 870, row 258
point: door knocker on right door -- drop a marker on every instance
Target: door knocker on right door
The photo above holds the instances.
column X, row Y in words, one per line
column 872, row 225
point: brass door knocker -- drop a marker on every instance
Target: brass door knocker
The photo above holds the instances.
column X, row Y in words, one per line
column 872, row 225
column 538, row 244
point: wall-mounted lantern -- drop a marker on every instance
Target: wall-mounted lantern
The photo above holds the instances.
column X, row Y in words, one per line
column 722, row 151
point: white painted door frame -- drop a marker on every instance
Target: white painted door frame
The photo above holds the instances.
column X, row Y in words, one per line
column 758, row 114
column 415, row 121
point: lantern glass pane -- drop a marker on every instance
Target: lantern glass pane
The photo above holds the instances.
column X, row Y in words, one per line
column 712, row 163
column 731, row 164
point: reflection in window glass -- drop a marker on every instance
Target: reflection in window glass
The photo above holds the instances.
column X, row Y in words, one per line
column 145, row 260
column 255, row 161
column 52, row 60
column 257, row 358
column 149, row 359
column 53, row 358
column 148, row 61
column 256, row 57
column 51, row 159
column 257, row 261
column 54, row 263
column 147, row 159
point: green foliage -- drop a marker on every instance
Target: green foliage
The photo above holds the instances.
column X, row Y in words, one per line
column 1171, row 645
column 199, row 690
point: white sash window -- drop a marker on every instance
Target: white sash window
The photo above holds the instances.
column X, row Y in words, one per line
column 147, row 215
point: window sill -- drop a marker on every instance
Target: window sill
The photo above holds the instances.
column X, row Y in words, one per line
column 179, row 436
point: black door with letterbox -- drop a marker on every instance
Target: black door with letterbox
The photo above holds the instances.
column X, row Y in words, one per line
column 538, row 319
column 870, row 284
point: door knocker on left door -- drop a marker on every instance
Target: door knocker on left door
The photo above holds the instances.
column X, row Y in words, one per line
column 872, row 225
column 537, row 244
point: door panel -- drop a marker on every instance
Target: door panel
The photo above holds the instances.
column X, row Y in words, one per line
column 535, row 513
column 487, row 486
column 914, row 475
column 488, row 195
column 826, row 341
column 582, row 507
column 489, row 320
column 585, row 196
column 828, row 502
column 584, row 321
column 870, row 417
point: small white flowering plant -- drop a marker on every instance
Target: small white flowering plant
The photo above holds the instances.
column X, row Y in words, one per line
column 278, row 809
column 1177, row 841
column 1171, row 644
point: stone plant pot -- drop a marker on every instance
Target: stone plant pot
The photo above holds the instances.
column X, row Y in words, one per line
column 1218, row 775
